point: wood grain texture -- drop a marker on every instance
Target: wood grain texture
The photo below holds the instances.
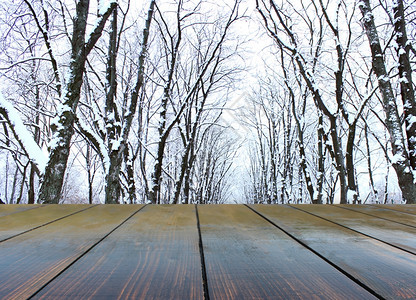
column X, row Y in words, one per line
column 30, row 260
column 388, row 271
column 8, row 209
column 13, row 224
column 408, row 208
column 154, row 255
column 248, row 258
column 384, row 213
column 390, row 232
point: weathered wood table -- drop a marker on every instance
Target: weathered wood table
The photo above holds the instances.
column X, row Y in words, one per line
column 207, row 252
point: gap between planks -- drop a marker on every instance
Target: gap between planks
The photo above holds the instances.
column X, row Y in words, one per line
column 393, row 208
column 202, row 256
column 86, row 251
column 375, row 216
column 201, row 247
column 350, row 276
column 45, row 224
column 357, row 231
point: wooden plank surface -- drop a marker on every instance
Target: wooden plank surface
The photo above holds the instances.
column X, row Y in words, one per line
column 120, row 251
column 8, row 209
column 408, row 208
column 30, row 260
column 390, row 272
column 384, row 213
column 248, row 258
column 154, row 255
column 393, row 233
column 17, row 223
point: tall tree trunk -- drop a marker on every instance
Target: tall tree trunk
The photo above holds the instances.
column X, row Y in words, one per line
column 349, row 162
column 117, row 147
column 112, row 119
column 369, row 164
column 339, row 91
column 401, row 161
column 321, row 160
column 164, row 130
column 90, row 175
column 339, row 160
column 63, row 129
column 131, row 184
column 154, row 193
column 183, row 170
column 50, row 191
column 405, row 79
column 187, row 187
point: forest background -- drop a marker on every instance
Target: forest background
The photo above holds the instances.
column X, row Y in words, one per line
column 185, row 101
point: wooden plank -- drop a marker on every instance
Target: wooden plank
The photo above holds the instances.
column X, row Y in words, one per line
column 386, row 270
column 14, row 224
column 248, row 258
column 393, row 233
column 30, row 260
column 408, row 208
column 154, row 255
column 384, row 213
column 8, row 209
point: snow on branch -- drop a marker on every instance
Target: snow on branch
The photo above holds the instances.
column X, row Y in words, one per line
column 23, row 136
column 105, row 5
column 105, row 9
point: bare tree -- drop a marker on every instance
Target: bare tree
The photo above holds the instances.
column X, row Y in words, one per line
column 118, row 140
column 173, row 39
column 63, row 128
column 274, row 18
column 280, row 23
column 405, row 79
column 213, row 167
column 401, row 159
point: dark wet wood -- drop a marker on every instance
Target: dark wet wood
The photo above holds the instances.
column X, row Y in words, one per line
column 248, row 258
column 408, row 208
column 390, row 232
column 27, row 219
column 154, row 255
column 15, row 208
column 131, row 252
column 388, row 271
column 30, row 260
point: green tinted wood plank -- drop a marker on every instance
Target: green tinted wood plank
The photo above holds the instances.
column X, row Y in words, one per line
column 393, row 233
column 408, row 208
column 8, row 209
column 248, row 258
column 14, row 224
column 30, row 260
column 384, row 213
column 385, row 269
column 154, row 255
